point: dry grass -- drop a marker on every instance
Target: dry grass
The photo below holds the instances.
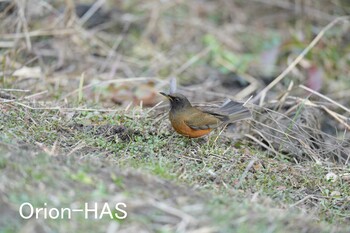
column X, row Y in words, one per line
column 62, row 74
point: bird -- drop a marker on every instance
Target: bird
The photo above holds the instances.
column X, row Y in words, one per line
column 193, row 122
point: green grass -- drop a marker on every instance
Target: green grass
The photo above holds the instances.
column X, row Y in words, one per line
column 214, row 168
column 170, row 183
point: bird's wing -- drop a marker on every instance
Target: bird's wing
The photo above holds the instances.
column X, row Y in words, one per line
column 230, row 111
column 199, row 120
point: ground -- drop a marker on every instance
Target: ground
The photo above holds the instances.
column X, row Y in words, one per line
column 81, row 120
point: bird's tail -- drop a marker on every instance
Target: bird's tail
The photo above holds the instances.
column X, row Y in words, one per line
column 235, row 111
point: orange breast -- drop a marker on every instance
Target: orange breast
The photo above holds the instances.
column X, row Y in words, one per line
column 183, row 129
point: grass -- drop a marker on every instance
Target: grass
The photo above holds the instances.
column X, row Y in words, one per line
column 64, row 142
column 229, row 195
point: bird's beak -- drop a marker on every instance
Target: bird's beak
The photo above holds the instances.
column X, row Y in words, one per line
column 166, row 95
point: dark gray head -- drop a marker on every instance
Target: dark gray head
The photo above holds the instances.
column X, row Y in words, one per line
column 177, row 101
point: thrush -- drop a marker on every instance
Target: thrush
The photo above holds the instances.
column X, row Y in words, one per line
column 193, row 122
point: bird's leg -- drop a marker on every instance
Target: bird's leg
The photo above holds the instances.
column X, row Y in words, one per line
column 188, row 141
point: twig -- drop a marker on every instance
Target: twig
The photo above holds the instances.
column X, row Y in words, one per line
column 249, row 166
column 221, row 131
column 302, row 200
column 261, row 95
column 35, row 95
column 325, row 97
column 285, row 95
column 261, row 144
column 15, row 90
column 253, row 86
column 41, row 32
column 154, row 107
column 93, row 9
column 336, row 117
column 65, row 109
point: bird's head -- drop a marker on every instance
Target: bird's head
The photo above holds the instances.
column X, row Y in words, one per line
column 177, row 101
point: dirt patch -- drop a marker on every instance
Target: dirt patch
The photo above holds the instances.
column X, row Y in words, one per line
column 108, row 131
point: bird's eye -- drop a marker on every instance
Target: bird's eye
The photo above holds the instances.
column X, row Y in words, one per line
column 177, row 99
